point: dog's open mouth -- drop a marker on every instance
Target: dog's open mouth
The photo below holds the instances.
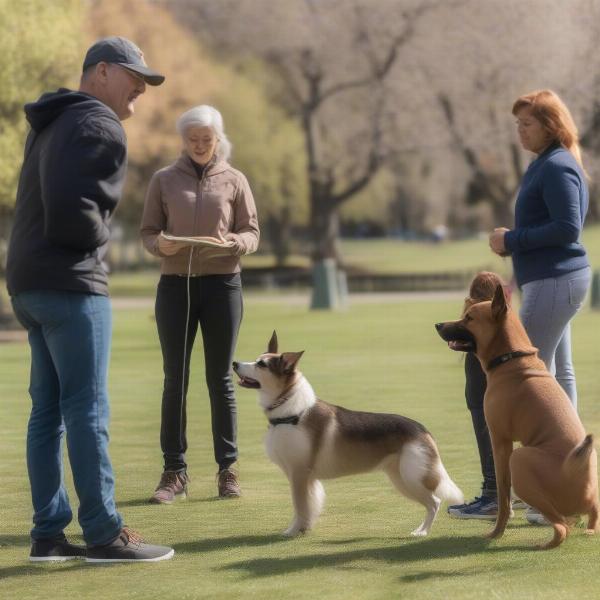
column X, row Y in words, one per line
column 462, row 345
column 248, row 382
column 459, row 338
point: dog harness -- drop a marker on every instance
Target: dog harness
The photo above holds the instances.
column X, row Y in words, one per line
column 500, row 360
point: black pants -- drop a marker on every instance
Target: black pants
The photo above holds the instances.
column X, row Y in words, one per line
column 476, row 384
column 215, row 304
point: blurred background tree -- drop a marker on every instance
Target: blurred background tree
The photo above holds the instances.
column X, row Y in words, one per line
column 419, row 88
column 389, row 118
column 39, row 51
column 331, row 61
column 267, row 143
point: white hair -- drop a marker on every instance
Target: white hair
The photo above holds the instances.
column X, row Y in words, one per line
column 206, row 116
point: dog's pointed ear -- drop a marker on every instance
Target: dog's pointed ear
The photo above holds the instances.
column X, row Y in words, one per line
column 272, row 349
column 499, row 304
column 289, row 360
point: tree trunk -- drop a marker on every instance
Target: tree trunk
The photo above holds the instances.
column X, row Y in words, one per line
column 325, row 228
column 279, row 232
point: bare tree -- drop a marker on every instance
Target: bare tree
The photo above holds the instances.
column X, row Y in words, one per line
column 408, row 82
column 478, row 58
column 488, row 182
column 332, row 59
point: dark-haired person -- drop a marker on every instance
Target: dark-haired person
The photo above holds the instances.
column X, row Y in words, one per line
column 70, row 183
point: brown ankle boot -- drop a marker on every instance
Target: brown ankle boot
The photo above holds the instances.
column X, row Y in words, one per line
column 172, row 485
column 228, row 484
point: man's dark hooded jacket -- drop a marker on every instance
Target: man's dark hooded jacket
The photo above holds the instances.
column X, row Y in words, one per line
column 70, row 183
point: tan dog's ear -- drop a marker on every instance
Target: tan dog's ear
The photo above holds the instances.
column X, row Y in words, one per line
column 499, row 306
column 272, row 349
column 289, row 360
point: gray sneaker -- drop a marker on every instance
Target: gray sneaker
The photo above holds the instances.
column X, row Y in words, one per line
column 535, row 517
column 128, row 546
column 55, row 549
column 518, row 504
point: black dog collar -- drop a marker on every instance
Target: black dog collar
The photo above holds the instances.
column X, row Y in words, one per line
column 293, row 420
column 500, row 360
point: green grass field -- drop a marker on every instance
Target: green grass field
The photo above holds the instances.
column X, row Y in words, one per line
column 381, row 357
column 394, row 256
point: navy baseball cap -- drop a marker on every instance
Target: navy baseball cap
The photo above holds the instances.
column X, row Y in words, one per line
column 123, row 52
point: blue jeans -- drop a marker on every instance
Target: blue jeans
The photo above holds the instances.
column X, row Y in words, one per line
column 69, row 335
column 548, row 305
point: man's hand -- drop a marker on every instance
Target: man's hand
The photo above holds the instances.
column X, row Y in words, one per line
column 496, row 241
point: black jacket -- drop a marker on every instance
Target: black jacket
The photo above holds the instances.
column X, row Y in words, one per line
column 70, row 183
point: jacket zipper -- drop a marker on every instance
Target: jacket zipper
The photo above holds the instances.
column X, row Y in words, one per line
column 199, row 185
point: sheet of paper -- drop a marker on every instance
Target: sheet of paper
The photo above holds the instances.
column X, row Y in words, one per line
column 208, row 242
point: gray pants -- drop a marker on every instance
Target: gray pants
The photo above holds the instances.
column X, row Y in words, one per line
column 548, row 305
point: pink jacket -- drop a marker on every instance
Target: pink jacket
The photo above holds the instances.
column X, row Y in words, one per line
column 179, row 203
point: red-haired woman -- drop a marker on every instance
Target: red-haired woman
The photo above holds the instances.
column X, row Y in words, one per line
column 550, row 263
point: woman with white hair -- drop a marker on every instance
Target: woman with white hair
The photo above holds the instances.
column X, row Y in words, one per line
column 199, row 195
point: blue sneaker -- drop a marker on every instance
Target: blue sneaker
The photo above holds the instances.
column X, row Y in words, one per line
column 483, row 507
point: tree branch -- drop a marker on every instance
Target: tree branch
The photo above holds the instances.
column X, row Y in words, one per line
column 374, row 160
column 379, row 68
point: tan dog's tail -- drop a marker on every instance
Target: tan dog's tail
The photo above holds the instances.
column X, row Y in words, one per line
column 578, row 458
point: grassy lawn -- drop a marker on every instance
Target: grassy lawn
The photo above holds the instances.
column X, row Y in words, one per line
column 372, row 357
column 396, row 256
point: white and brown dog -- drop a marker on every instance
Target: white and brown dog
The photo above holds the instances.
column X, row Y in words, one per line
column 313, row 440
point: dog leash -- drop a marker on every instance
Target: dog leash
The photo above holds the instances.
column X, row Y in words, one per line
column 503, row 358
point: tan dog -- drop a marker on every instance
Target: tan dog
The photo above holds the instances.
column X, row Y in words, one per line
column 555, row 469
column 312, row 440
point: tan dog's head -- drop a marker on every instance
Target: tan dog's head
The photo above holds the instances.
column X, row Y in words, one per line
column 478, row 329
column 271, row 372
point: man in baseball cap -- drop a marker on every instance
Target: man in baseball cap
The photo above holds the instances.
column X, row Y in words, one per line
column 71, row 182
column 114, row 72
column 123, row 52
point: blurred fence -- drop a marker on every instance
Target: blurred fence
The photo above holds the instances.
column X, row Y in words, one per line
column 131, row 256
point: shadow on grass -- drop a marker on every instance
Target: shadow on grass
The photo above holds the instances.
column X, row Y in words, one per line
column 355, row 540
column 29, row 569
column 240, row 541
column 145, row 501
column 412, row 551
column 134, row 502
column 211, row 499
column 14, row 540
column 425, row 575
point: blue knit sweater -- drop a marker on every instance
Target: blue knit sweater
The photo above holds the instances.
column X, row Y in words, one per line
column 549, row 215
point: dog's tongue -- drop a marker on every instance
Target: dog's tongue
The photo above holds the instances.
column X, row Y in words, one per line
column 248, row 382
column 453, row 345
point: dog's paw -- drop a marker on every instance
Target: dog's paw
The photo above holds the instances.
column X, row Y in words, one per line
column 418, row 532
column 294, row 530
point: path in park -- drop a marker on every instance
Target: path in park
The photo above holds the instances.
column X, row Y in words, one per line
column 303, row 299
column 290, row 299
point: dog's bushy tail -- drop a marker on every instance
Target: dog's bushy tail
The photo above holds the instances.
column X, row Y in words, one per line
column 447, row 490
column 578, row 459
